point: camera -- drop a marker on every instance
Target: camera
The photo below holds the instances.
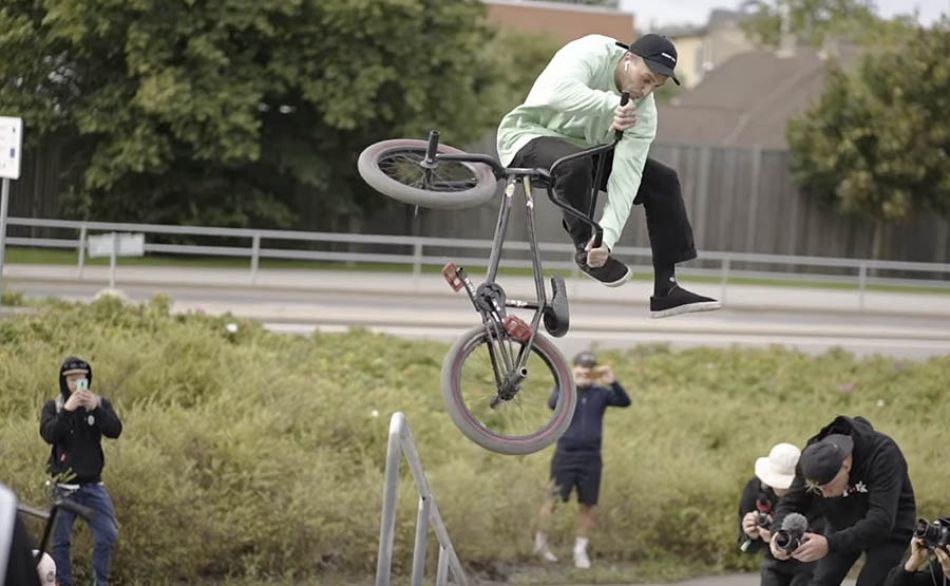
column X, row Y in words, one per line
column 789, row 539
column 82, row 384
column 790, row 536
column 763, row 520
column 936, row 534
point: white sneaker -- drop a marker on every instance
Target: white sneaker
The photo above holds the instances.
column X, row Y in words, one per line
column 545, row 553
column 581, row 560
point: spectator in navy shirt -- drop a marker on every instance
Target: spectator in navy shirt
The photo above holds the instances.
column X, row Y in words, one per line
column 577, row 461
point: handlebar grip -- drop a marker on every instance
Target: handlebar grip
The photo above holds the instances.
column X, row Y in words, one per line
column 598, row 237
column 624, row 100
column 75, row 508
column 432, row 148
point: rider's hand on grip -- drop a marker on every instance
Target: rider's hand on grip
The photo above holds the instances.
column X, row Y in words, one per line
column 625, row 115
column 596, row 255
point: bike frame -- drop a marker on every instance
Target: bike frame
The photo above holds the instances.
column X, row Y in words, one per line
column 487, row 295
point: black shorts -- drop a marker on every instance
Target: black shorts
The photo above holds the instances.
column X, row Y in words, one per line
column 576, row 469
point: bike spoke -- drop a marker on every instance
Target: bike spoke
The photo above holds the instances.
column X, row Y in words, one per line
column 447, row 176
column 520, row 416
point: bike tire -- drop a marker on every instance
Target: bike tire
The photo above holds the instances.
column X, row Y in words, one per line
column 391, row 168
column 472, row 416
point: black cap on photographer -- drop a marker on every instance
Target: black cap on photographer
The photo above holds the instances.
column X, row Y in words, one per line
column 821, row 461
column 585, row 359
column 659, row 53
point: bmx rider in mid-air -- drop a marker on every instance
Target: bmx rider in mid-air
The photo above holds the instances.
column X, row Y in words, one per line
column 575, row 104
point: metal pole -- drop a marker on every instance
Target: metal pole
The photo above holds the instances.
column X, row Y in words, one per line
column 82, row 249
column 112, row 263
column 442, row 571
column 422, row 532
column 416, row 262
column 387, row 525
column 4, row 198
column 862, row 283
column 255, row 256
column 725, row 279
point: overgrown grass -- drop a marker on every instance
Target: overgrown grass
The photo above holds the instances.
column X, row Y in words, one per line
column 258, row 457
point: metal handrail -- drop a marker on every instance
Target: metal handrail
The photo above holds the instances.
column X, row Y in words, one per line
column 414, row 253
column 401, row 444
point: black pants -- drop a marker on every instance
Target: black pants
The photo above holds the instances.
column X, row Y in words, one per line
column 671, row 236
column 785, row 573
column 878, row 561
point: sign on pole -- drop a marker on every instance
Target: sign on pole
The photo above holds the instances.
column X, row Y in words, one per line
column 11, row 145
column 114, row 244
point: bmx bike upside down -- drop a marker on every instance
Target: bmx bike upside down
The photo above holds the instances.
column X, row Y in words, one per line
column 497, row 378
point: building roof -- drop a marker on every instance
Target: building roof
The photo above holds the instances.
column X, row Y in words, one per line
column 748, row 100
column 562, row 21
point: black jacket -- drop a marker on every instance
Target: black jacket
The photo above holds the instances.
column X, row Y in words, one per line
column 76, row 437
column 879, row 504
column 587, row 427
column 930, row 576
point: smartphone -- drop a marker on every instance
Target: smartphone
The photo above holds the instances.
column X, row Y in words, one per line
column 82, row 384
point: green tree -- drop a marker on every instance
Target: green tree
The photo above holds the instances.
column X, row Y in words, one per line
column 878, row 142
column 815, row 21
column 237, row 112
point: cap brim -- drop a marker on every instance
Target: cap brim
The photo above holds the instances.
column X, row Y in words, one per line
column 75, row 371
column 661, row 69
column 765, row 473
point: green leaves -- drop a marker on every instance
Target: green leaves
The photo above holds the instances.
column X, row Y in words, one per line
column 270, row 99
column 876, row 144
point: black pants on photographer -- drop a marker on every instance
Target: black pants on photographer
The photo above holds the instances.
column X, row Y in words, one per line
column 660, row 193
column 786, row 573
column 878, row 561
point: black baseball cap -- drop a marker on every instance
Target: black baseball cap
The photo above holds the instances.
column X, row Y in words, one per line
column 586, row 359
column 658, row 52
column 821, row 461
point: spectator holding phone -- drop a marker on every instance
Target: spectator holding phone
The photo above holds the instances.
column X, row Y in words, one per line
column 577, row 460
column 74, row 424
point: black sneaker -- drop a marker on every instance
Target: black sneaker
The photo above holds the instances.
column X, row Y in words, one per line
column 613, row 273
column 678, row 301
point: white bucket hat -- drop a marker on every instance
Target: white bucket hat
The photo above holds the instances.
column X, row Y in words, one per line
column 778, row 469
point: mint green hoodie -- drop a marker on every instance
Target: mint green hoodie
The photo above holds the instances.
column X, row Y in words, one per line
column 574, row 98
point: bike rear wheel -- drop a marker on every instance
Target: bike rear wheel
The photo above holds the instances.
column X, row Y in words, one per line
column 393, row 168
column 525, row 423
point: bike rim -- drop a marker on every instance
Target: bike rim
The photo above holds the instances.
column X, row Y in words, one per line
column 524, row 418
column 404, row 166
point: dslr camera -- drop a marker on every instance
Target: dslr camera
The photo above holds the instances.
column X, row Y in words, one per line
column 790, row 536
column 936, row 534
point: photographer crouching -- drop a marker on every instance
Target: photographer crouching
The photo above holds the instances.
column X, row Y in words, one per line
column 866, row 499
column 931, row 543
column 773, row 476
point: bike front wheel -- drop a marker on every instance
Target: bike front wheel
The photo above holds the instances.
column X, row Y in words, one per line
column 393, row 168
column 522, row 424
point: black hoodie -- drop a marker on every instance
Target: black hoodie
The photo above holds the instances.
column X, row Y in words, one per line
column 76, row 436
column 878, row 506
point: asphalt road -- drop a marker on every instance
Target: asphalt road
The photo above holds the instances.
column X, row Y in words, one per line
column 598, row 319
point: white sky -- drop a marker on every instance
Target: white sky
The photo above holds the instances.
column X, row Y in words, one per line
column 653, row 13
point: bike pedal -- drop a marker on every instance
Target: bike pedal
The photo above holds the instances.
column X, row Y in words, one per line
column 517, row 328
column 453, row 277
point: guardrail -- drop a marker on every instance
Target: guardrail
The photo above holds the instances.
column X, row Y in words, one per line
column 401, row 443
column 417, row 253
